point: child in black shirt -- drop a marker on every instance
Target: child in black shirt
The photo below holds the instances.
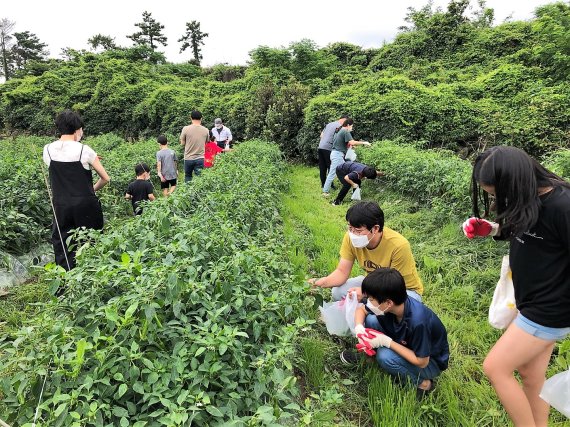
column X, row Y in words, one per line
column 141, row 188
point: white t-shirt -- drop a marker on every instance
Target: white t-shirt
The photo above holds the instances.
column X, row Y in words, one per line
column 69, row 151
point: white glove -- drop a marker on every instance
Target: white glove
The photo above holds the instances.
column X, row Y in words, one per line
column 380, row 340
column 359, row 329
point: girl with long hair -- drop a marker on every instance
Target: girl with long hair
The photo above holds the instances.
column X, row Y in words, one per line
column 532, row 211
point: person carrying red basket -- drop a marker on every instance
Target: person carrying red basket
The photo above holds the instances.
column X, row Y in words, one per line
column 408, row 340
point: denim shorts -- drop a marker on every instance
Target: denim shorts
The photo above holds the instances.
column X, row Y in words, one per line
column 539, row 331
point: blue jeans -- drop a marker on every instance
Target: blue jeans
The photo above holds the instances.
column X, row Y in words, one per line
column 192, row 166
column 394, row 364
column 337, row 159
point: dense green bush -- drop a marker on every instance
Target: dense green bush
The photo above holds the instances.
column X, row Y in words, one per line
column 434, row 178
column 183, row 315
column 449, row 79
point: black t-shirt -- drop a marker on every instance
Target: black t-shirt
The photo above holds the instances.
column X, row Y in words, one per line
column 139, row 190
column 540, row 262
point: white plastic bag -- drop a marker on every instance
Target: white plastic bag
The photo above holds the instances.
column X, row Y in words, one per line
column 351, row 304
column 339, row 315
column 503, row 309
column 556, row 392
column 356, row 194
column 350, row 155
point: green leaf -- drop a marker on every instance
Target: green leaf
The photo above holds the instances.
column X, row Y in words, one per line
column 200, row 351
column 125, row 258
column 124, row 422
column 152, row 378
column 212, row 410
column 132, row 308
column 223, row 348
column 119, row 411
column 138, row 387
column 122, row 390
column 111, row 313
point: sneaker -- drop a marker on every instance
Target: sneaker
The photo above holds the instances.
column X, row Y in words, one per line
column 421, row 394
column 348, row 357
column 326, row 194
column 335, row 203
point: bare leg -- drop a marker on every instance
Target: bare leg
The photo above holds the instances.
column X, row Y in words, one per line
column 165, row 192
column 172, row 188
column 533, row 378
column 516, row 350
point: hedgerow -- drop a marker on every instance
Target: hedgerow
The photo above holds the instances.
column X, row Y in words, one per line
column 185, row 314
column 436, row 178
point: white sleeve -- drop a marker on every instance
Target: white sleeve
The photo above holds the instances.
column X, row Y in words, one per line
column 46, row 155
column 229, row 134
column 88, row 155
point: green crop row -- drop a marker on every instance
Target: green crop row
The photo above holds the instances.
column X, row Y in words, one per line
column 185, row 315
column 435, row 178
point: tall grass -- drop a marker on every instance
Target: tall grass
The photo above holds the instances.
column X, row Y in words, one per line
column 459, row 278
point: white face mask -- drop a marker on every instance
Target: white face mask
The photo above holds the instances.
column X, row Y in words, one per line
column 359, row 241
column 374, row 309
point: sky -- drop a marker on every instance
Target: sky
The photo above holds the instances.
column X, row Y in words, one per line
column 234, row 27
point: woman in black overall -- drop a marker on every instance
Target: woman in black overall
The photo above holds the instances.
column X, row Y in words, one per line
column 74, row 202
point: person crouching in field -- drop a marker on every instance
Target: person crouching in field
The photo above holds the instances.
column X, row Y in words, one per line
column 372, row 245
column 351, row 174
column 166, row 166
column 532, row 209
column 410, row 339
column 73, row 193
column 141, row 188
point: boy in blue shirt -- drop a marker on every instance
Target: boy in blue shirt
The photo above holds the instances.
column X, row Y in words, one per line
column 411, row 343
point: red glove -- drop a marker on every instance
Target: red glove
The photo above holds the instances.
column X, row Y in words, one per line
column 366, row 349
column 479, row 227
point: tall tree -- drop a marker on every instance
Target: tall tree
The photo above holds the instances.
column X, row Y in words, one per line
column 6, row 41
column 102, row 41
column 194, row 38
column 27, row 48
column 150, row 34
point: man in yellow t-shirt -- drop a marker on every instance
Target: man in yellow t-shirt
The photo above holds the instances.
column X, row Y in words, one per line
column 372, row 245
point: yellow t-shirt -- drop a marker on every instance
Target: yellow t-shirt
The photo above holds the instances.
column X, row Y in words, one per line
column 393, row 251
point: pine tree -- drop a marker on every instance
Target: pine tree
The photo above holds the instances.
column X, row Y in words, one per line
column 150, row 34
column 193, row 38
column 27, row 48
column 103, row 41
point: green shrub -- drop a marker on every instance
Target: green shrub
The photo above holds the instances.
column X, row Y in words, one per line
column 184, row 315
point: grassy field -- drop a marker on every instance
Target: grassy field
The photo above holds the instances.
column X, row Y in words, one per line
column 459, row 278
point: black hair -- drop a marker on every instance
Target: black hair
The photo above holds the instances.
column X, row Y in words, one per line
column 196, row 115
column 68, row 121
column 369, row 172
column 141, row 168
column 516, row 177
column 365, row 214
column 385, row 283
column 347, row 122
column 162, row 140
column 344, row 116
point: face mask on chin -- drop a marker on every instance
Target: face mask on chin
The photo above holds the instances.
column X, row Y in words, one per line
column 374, row 309
column 359, row 241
